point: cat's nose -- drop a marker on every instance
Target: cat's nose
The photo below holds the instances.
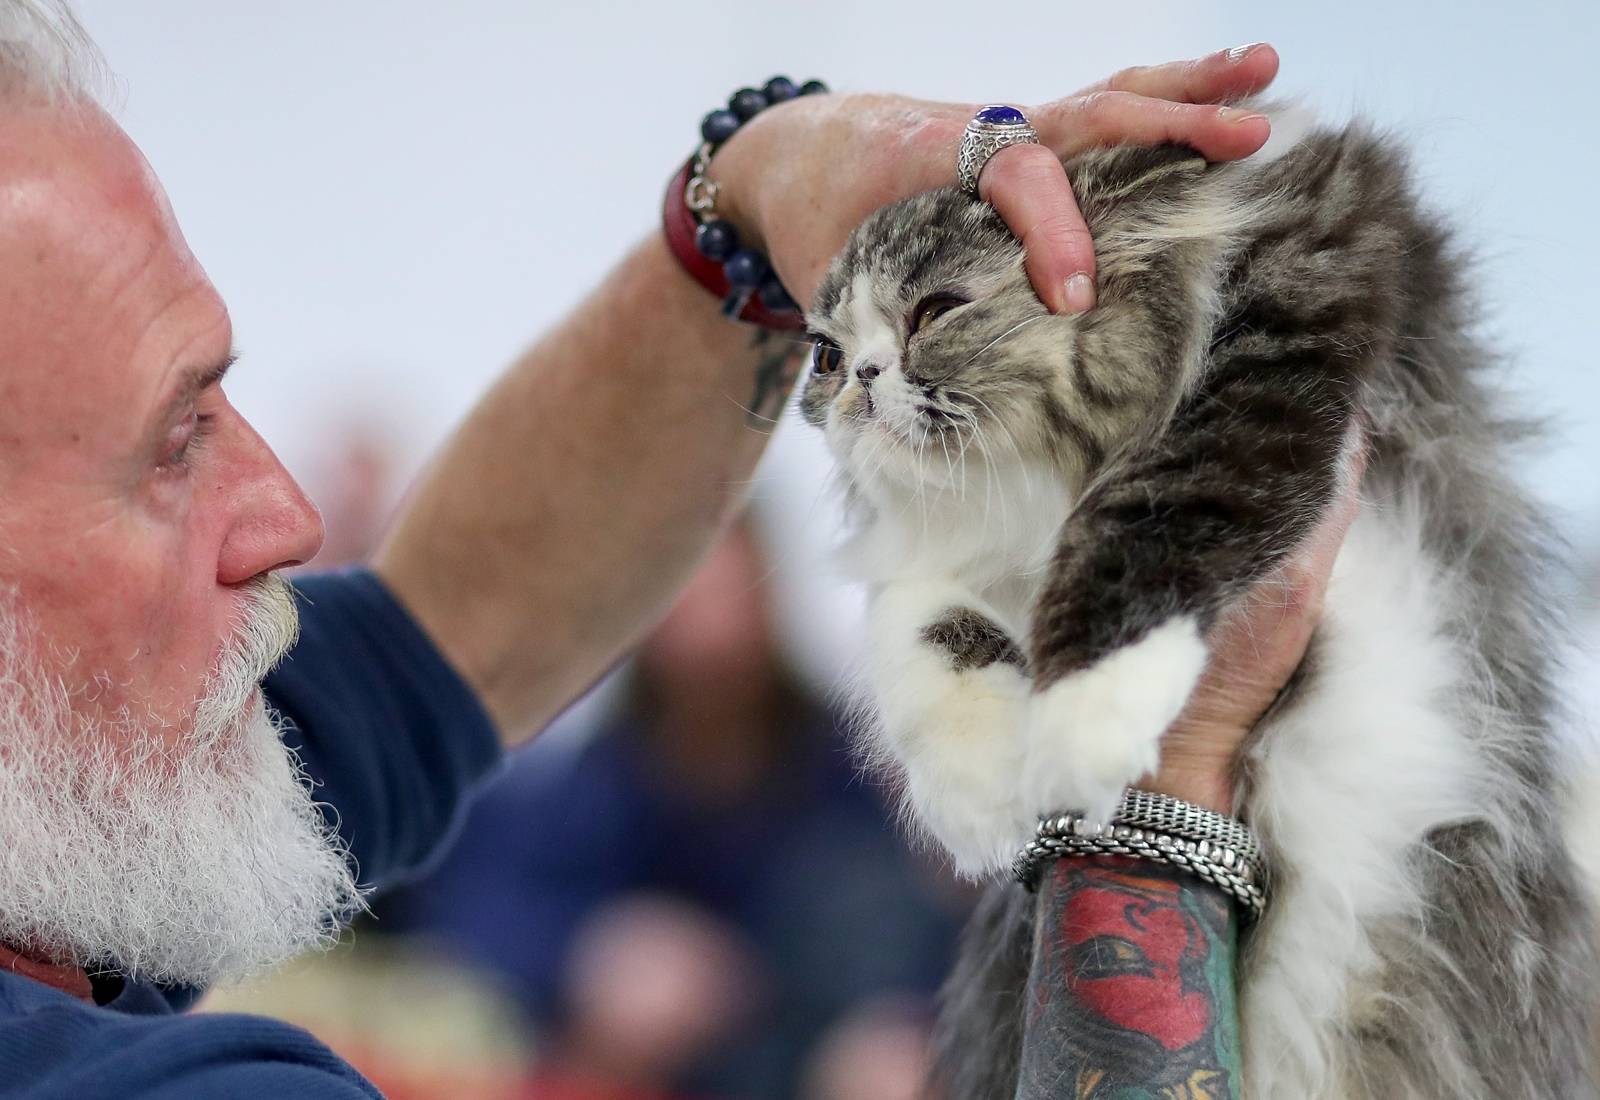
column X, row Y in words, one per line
column 867, row 372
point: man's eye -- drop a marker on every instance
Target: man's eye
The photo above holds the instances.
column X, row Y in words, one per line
column 933, row 307
column 825, row 357
column 182, row 441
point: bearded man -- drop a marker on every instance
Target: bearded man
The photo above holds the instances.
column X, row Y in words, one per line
column 178, row 807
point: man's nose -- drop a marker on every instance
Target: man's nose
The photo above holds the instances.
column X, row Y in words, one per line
column 276, row 525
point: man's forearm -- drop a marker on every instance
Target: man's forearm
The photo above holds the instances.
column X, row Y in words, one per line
column 577, row 497
column 1131, row 990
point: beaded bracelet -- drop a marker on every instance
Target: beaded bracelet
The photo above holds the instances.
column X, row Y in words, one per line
column 708, row 247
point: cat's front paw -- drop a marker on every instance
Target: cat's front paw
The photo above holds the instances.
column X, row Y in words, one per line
column 1095, row 731
column 950, row 695
column 959, row 746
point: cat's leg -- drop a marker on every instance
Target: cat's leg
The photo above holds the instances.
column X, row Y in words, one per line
column 951, row 691
column 1095, row 731
column 1145, row 562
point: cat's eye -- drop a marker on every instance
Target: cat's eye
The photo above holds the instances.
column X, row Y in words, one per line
column 933, row 307
column 825, row 357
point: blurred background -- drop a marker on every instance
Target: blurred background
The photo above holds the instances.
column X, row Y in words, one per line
column 679, row 891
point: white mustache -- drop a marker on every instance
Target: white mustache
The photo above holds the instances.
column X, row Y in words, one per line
column 266, row 629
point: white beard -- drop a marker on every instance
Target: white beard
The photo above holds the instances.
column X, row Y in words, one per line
column 190, row 863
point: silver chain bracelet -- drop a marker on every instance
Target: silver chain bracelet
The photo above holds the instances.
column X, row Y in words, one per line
column 1163, row 829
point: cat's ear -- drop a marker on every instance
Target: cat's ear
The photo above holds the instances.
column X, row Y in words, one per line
column 1136, row 171
column 1160, row 220
column 1143, row 202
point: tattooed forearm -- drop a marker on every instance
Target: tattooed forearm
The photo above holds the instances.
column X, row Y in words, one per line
column 778, row 360
column 1131, row 990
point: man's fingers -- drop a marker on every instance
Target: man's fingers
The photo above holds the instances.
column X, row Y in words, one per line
column 1072, row 125
column 1028, row 187
column 1216, row 78
column 1287, row 608
column 1310, row 568
column 1143, row 106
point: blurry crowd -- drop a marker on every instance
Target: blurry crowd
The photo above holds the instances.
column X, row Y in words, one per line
column 688, row 890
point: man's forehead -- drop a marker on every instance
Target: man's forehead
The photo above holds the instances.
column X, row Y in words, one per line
column 97, row 285
column 73, row 187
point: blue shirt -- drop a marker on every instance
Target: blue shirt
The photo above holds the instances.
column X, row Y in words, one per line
column 394, row 740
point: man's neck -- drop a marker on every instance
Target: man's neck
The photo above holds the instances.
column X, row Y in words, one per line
column 70, row 980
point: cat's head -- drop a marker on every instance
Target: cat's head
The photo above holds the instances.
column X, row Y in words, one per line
column 931, row 346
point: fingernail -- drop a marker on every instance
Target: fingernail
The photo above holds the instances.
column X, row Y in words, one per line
column 1235, row 116
column 1239, row 53
column 1080, row 293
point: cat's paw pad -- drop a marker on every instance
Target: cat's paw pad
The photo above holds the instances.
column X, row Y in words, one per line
column 1095, row 731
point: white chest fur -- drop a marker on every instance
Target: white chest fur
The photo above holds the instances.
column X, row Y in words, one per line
column 992, row 531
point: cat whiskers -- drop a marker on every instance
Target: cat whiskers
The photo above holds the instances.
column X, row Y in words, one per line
column 989, row 473
column 935, row 420
column 960, row 418
column 877, row 445
column 884, row 439
column 949, row 466
column 982, row 441
column 1011, row 440
column 1014, row 329
column 921, row 496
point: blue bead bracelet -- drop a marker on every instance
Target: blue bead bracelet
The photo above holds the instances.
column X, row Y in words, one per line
column 748, row 271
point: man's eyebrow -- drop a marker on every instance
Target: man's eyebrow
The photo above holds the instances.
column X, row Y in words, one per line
column 192, row 385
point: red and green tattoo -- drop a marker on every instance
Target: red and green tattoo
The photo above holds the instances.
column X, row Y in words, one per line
column 1131, row 991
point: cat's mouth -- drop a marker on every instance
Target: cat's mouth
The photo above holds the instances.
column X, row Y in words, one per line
column 943, row 418
column 913, row 418
column 917, row 426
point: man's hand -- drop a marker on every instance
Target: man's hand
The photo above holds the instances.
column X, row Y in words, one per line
column 803, row 174
column 1254, row 653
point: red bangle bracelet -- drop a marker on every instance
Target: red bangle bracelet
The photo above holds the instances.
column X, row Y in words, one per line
column 678, row 224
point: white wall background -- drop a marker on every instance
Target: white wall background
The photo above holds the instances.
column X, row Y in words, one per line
column 394, row 196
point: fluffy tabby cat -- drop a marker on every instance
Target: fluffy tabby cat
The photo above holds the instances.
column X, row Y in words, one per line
column 1053, row 511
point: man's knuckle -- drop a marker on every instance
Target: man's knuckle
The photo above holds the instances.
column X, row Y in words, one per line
column 1110, row 101
column 1027, row 167
column 1093, row 103
column 927, row 134
column 1060, row 229
column 1127, row 79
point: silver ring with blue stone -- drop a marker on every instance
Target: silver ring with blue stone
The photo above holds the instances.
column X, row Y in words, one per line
column 991, row 130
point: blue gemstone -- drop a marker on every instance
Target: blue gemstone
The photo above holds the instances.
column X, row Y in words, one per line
column 813, row 87
column 779, row 89
column 716, row 240
column 1000, row 114
column 745, row 267
column 773, row 295
column 718, row 126
column 747, row 103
